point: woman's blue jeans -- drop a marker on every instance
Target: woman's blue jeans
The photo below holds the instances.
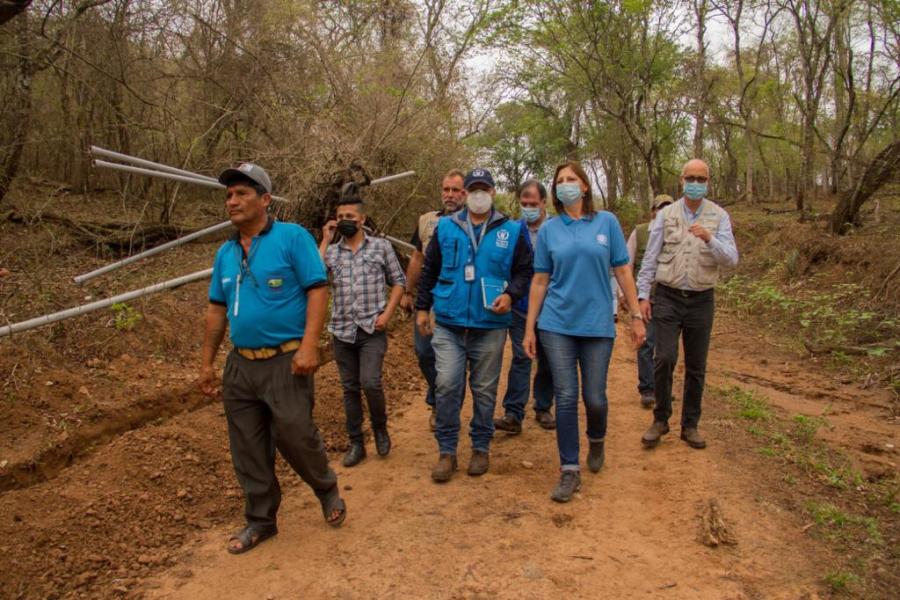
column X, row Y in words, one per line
column 565, row 354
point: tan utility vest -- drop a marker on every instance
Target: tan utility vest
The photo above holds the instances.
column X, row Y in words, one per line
column 427, row 224
column 685, row 258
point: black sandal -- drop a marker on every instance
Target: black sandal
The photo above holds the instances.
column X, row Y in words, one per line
column 331, row 503
column 246, row 537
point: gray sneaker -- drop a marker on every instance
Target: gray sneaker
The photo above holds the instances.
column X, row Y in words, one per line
column 569, row 483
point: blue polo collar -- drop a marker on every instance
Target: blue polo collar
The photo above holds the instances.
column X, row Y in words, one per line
column 270, row 221
column 569, row 220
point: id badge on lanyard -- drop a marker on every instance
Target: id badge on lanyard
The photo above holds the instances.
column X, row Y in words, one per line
column 469, row 270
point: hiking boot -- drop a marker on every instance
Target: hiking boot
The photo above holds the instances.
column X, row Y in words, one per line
column 595, row 457
column 693, row 438
column 382, row 442
column 478, row 464
column 509, row 424
column 652, row 436
column 354, row 455
column 432, row 420
column 569, row 483
column 443, row 470
column 545, row 419
column 648, row 399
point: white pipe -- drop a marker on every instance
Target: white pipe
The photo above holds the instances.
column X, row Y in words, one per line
column 189, row 177
column 98, row 151
column 97, row 305
column 79, row 279
column 160, row 174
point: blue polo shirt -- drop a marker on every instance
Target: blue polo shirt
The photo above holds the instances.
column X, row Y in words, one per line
column 578, row 256
column 265, row 291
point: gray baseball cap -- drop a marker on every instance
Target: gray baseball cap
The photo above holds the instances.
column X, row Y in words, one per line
column 244, row 171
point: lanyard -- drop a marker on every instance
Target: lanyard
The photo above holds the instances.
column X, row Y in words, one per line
column 243, row 264
column 471, row 231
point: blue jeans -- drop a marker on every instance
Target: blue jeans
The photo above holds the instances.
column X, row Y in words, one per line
column 645, row 361
column 425, row 354
column 482, row 351
column 518, row 383
column 566, row 353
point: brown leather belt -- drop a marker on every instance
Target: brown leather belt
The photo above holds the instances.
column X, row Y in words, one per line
column 266, row 353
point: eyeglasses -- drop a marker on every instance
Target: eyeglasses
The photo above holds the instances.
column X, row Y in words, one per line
column 695, row 179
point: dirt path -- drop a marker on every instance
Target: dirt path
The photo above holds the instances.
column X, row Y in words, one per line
column 631, row 532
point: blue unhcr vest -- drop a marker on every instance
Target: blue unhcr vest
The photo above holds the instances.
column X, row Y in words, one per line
column 458, row 302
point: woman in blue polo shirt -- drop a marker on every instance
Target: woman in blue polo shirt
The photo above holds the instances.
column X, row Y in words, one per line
column 570, row 306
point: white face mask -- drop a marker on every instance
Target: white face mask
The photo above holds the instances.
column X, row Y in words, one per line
column 479, row 201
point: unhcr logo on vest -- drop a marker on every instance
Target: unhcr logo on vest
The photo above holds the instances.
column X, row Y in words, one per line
column 503, row 239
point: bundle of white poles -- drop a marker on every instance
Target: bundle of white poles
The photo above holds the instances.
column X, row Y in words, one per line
column 149, row 168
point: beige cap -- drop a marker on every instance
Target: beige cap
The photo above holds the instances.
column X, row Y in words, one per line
column 662, row 200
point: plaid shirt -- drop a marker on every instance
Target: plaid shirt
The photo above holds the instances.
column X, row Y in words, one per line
column 359, row 282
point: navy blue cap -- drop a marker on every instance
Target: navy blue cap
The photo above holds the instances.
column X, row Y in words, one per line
column 478, row 176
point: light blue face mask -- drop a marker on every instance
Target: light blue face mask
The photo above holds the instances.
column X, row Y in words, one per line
column 531, row 214
column 568, row 193
column 695, row 190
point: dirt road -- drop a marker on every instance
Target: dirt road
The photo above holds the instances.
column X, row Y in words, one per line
column 633, row 531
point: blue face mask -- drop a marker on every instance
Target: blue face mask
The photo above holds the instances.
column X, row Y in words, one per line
column 695, row 190
column 568, row 193
column 531, row 214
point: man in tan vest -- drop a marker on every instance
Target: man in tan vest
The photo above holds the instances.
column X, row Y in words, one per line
column 453, row 196
column 689, row 241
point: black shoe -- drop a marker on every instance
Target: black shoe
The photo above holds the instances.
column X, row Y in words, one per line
column 382, row 442
column 354, row 455
column 509, row 424
column 595, row 457
column 545, row 419
column 569, row 483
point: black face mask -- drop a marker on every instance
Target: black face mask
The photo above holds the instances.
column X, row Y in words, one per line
column 347, row 228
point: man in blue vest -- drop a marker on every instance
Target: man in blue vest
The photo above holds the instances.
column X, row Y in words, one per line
column 476, row 266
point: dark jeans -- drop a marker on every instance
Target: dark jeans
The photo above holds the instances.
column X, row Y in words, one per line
column 482, row 351
column 689, row 314
column 518, row 382
column 645, row 361
column 360, row 365
column 566, row 354
column 268, row 407
column 425, row 354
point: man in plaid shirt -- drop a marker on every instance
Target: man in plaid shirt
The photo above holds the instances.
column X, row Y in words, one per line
column 361, row 266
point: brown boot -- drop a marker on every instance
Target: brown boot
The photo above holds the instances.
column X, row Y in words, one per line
column 693, row 438
column 444, row 468
column 652, row 436
column 478, row 464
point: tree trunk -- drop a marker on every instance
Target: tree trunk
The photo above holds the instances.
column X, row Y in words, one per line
column 21, row 111
column 881, row 170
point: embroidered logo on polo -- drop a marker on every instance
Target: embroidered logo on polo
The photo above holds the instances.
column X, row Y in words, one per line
column 275, row 283
column 602, row 239
column 503, row 239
